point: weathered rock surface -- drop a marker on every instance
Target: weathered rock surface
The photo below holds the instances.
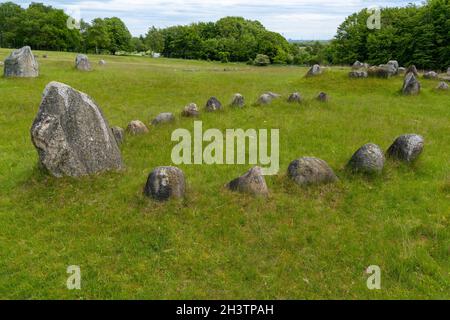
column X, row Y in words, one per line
column 442, row 86
column 137, row 127
column 238, row 101
column 358, row 74
column 308, row 171
column 368, row 159
column 21, row 63
column 71, row 135
column 164, row 183
column 82, row 63
column 191, row 110
column 431, row 75
column 314, row 71
column 164, row 117
column 119, row 134
column 411, row 86
column 295, row 98
column 323, row 97
column 252, row 182
column 407, row 147
column 213, row 104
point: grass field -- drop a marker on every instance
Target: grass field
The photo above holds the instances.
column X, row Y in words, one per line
column 298, row 244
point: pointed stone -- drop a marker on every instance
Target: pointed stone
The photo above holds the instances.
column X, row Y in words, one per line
column 252, row 182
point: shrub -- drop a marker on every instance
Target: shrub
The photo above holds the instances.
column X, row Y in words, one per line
column 261, row 60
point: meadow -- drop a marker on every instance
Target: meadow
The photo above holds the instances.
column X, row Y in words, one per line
column 312, row 243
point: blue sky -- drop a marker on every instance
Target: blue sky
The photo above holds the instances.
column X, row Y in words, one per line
column 295, row 19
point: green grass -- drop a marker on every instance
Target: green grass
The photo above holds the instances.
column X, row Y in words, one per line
column 298, row 244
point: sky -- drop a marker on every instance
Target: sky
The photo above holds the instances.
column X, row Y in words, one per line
column 294, row 19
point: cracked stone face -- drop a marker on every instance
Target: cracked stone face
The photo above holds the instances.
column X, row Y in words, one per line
column 21, row 63
column 72, row 136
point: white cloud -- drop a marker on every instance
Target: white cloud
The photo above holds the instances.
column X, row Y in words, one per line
column 296, row 19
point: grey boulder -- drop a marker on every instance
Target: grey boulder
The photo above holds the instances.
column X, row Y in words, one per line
column 395, row 66
column 119, row 134
column 357, row 65
column 72, row 136
column 406, row 148
column 358, row 74
column 137, row 127
column 82, row 63
column 412, row 68
column 411, row 86
column 323, row 97
column 102, row 62
column 309, row 171
column 238, row 101
column 264, row 99
column 191, row 110
column 295, row 98
column 431, row 75
column 368, row 159
column 213, row 104
column 164, row 183
column 442, row 86
column 164, row 117
column 21, row 63
column 315, row 70
column 252, row 182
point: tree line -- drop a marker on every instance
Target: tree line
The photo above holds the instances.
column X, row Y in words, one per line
column 417, row 35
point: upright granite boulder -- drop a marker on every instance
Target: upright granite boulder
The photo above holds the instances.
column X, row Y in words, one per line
column 252, row 182
column 72, row 136
column 411, row 86
column 82, row 63
column 406, row 148
column 21, row 63
column 412, row 68
column 213, row 104
column 164, row 183
column 314, row 71
column 394, row 64
column 368, row 159
column 310, row 171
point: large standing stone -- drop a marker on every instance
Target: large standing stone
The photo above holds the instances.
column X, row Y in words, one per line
column 308, row 171
column 358, row 74
column 411, row 86
column 82, row 63
column 431, row 75
column 164, row 117
column 191, row 110
column 407, row 147
column 442, row 86
column 21, row 63
column 238, row 101
column 252, row 182
column 314, row 71
column 137, row 127
column 213, row 104
column 119, row 134
column 295, row 97
column 71, row 135
column 164, row 183
column 368, row 159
